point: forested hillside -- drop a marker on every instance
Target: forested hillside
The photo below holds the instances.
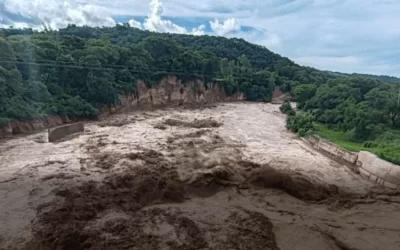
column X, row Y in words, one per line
column 77, row 70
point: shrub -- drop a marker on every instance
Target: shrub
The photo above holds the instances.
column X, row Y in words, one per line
column 286, row 107
column 72, row 106
column 301, row 123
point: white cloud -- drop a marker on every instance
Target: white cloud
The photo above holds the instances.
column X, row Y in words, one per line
column 135, row 24
column 318, row 33
column 199, row 31
column 226, row 27
column 20, row 25
column 56, row 14
column 311, row 32
column 272, row 41
column 154, row 22
column 350, row 64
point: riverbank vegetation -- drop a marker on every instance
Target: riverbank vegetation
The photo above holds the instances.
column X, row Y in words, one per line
column 357, row 113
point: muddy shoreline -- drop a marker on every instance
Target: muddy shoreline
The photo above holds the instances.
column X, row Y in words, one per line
column 230, row 177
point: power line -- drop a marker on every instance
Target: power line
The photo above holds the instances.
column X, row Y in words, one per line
column 56, row 62
column 36, row 61
column 149, row 71
column 132, row 69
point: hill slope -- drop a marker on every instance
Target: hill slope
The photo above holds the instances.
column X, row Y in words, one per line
column 76, row 70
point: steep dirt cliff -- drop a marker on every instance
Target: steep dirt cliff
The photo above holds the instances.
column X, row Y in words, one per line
column 170, row 91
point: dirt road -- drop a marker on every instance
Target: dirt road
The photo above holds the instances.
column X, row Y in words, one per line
column 229, row 177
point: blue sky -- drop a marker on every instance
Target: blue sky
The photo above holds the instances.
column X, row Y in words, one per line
column 340, row 35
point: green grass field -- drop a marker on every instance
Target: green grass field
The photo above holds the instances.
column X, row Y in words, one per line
column 338, row 137
column 387, row 150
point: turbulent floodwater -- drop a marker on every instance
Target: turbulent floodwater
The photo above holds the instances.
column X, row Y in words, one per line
column 228, row 177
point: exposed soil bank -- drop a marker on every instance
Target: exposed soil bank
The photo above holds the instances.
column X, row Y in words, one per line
column 170, row 91
column 245, row 184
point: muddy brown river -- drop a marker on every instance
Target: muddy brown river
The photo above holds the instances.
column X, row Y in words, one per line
column 226, row 177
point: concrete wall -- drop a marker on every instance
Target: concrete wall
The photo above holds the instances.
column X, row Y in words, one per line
column 19, row 127
column 60, row 132
column 367, row 164
column 333, row 150
column 378, row 170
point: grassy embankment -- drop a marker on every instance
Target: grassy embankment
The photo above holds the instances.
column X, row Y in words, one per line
column 386, row 148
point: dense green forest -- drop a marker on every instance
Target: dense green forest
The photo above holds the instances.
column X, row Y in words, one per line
column 75, row 71
column 359, row 113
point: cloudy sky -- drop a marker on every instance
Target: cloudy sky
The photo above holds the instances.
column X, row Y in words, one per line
column 340, row 35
